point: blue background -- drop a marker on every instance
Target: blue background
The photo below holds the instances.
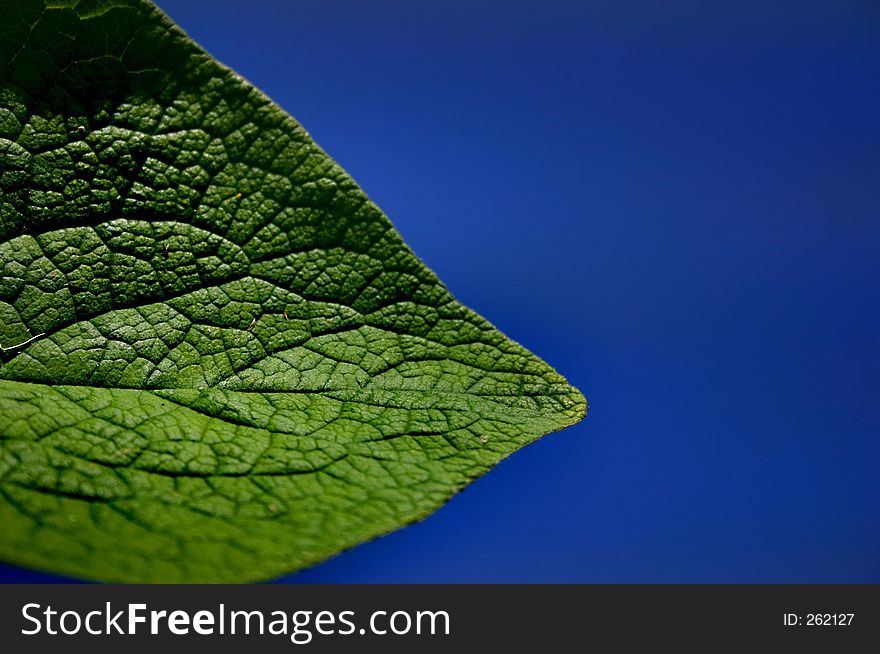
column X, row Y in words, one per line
column 677, row 206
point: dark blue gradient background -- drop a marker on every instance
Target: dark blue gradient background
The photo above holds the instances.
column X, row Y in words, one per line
column 678, row 207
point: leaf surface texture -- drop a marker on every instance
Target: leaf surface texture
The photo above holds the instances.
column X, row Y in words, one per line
column 220, row 361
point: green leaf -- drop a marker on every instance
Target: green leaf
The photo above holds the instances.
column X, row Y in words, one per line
column 220, row 362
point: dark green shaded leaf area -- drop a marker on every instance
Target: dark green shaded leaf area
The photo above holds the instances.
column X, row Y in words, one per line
column 220, row 361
